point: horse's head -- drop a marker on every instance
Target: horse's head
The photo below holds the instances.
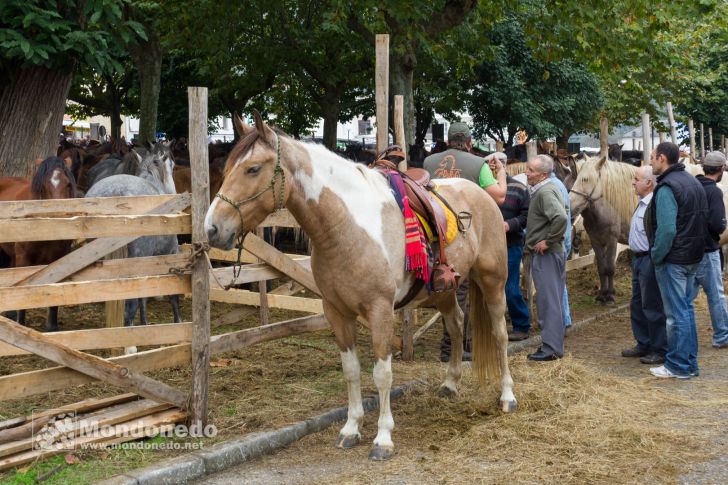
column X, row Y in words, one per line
column 254, row 185
column 53, row 179
column 156, row 165
column 615, row 151
column 588, row 186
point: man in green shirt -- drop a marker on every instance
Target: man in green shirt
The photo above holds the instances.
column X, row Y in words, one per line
column 545, row 230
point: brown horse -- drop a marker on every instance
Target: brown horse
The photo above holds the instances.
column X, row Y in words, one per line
column 357, row 234
column 52, row 180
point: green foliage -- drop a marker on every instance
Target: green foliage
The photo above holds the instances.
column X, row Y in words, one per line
column 58, row 33
column 513, row 89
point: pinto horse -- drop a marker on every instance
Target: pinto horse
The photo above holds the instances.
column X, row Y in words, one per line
column 52, row 180
column 357, row 236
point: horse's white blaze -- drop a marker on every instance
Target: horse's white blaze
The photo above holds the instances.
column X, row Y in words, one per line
column 352, row 374
column 210, row 213
column 247, row 155
column 383, row 381
column 344, row 179
column 56, row 179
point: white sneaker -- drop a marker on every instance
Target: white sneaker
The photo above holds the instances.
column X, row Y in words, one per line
column 665, row 373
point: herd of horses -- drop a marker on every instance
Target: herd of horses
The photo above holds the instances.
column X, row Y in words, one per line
column 355, row 226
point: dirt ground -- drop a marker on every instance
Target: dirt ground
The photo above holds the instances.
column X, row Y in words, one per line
column 593, row 417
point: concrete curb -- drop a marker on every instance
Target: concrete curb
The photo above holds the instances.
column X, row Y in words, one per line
column 221, row 456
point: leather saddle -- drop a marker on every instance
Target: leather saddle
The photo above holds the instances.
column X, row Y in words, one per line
column 425, row 201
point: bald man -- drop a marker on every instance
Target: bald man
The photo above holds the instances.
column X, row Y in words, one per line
column 646, row 312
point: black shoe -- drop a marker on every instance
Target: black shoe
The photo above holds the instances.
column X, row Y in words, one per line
column 467, row 357
column 634, row 352
column 541, row 356
column 444, row 358
column 653, row 358
column 517, row 336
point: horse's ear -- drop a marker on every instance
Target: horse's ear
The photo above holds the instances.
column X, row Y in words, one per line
column 601, row 163
column 136, row 153
column 38, row 161
column 241, row 127
column 264, row 130
column 69, row 162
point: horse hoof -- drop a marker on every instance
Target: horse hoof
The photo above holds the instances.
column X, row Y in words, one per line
column 508, row 406
column 130, row 350
column 447, row 392
column 380, row 453
column 346, row 442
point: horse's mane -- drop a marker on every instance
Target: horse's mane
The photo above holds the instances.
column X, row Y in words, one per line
column 245, row 144
column 616, row 179
column 45, row 170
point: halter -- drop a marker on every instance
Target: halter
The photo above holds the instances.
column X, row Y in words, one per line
column 589, row 198
column 277, row 170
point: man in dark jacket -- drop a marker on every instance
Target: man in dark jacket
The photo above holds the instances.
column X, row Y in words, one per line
column 675, row 224
column 709, row 273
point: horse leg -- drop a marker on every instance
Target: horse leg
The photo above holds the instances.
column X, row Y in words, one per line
column 453, row 317
column 130, row 308
column 143, row 311
column 488, row 308
column 610, row 265
column 52, row 320
column 174, row 301
column 345, row 333
column 381, row 319
column 599, row 257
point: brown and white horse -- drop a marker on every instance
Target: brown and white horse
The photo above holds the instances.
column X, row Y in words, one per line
column 358, row 258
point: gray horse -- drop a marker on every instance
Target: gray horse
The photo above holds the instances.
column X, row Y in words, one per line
column 153, row 177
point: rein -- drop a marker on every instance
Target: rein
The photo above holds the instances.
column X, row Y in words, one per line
column 277, row 205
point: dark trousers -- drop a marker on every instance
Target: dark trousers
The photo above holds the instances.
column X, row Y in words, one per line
column 517, row 308
column 462, row 296
column 646, row 312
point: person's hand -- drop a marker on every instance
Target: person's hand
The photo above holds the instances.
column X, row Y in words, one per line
column 506, row 226
column 541, row 247
column 495, row 164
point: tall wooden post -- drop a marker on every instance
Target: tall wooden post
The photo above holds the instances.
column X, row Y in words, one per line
column 409, row 317
column 200, row 273
column 691, row 132
column 702, row 142
column 662, row 137
column 531, row 149
column 671, row 120
column 604, row 137
column 498, row 146
column 646, row 139
column 381, row 79
column 710, row 138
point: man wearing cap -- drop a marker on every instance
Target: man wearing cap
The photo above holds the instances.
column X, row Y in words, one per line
column 709, row 272
column 675, row 223
column 457, row 161
column 646, row 313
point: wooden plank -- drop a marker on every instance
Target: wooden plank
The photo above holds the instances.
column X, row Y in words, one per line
column 114, row 309
column 30, row 383
column 84, row 227
column 97, row 206
column 280, row 261
column 245, row 297
column 381, row 81
column 290, row 288
column 424, row 328
column 95, row 250
column 273, row 331
column 107, row 269
column 263, row 291
column 199, row 165
column 91, row 365
column 113, row 337
column 74, row 293
column 580, row 262
column 249, row 273
column 231, row 255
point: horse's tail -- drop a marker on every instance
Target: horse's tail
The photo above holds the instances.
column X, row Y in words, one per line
column 484, row 345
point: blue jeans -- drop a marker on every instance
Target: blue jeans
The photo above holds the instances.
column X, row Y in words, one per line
column 676, row 287
column 710, row 278
column 517, row 308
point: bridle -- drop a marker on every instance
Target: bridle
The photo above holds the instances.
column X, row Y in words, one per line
column 589, row 199
column 277, row 170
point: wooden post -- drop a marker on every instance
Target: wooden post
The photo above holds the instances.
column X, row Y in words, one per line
column 263, row 289
column 498, row 146
column 200, row 272
column 531, row 149
column 399, row 137
column 710, row 138
column 702, row 142
column 115, row 309
column 646, row 139
column 604, row 137
column 409, row 317
column 671, row 120
column 382, row 91
column 691, row 132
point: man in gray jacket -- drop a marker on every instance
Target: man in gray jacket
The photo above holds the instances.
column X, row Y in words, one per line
column 545, row 229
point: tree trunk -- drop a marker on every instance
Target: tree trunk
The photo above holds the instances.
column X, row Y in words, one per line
column 400, row 82
column 148, row 59
column 32, row 104
column 116, row 121
column 331, row 108
column 562, row 141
